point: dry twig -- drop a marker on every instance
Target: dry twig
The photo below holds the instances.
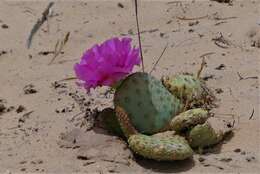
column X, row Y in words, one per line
column 244, row 78
column 195, row 18
column 221, row 41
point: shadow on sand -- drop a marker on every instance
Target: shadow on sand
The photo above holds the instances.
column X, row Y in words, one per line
column 165, row 167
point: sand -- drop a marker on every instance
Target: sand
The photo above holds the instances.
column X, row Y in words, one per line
column 45, row 126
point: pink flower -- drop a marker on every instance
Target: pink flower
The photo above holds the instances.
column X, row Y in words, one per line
column 105, row 64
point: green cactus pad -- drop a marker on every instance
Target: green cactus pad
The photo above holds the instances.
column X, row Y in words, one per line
column 185, row 87
column 204, row 135
column 161, row 149
column 188, row 119
column 147, row 102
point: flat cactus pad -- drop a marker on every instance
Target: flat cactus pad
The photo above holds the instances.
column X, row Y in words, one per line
column 160, row 149
column 148, row 104
column 188, row 119
column 185, row 87
column 204, row 135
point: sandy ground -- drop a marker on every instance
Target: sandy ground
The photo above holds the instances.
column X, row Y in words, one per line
column 47, row 124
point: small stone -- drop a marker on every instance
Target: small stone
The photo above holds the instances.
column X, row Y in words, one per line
column 23, row 162
column 5, row 26
column 237, row 150
column 2, row 108
column 120, row 5
column 220, row 67
column 201, row 159
column 23, row 169
column 225, row 159
column 81, row 157
column 10, row 108
column 20, row 108
column 248, row 159
column 243, row 153
column 191, row 30
column 161, row 34
column 193, row 23
column 219, row 90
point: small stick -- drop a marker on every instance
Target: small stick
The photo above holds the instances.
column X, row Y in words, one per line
column 244, row 78
column 252, row 114
column 222, row 40
column 195, row 18
column 139, row 36
column 207, row 54
column 240, row 77
column 219, row 18
column 159, row 58
column 66, row 79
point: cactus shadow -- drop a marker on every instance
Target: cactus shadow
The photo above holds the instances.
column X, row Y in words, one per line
column 165, row 167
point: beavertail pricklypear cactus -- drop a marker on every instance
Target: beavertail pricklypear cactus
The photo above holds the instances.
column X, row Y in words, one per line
column 145, row 110
column 149, row 105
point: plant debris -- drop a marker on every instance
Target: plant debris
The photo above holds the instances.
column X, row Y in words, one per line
column 244, row 78
column 29, row 89
column 220, row 67
column 24, row 117
column 59, row 47
column 252, row 114
column 20, row 108
column 221, row 41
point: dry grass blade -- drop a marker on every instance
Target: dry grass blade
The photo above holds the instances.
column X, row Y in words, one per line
column 59, row 46
column 159, row 58
column 38, row 24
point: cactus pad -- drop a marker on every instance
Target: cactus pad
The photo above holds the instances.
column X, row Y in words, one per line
column 204, row 135
column 160, row 149
column 185, row 87
column 188, row 119
column 147, row 102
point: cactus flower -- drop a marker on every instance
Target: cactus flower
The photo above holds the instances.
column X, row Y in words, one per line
column 107, row 63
